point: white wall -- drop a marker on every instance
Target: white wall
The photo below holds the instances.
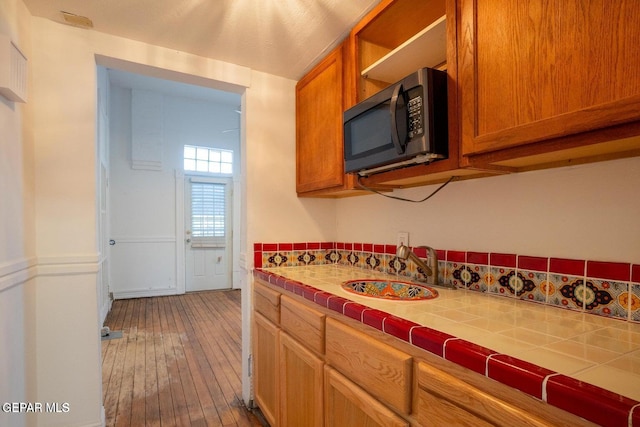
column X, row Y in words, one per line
column 17, row 235
column 145, row 206
column 585, row 212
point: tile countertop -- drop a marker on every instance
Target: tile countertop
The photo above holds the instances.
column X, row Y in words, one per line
column 596, row 350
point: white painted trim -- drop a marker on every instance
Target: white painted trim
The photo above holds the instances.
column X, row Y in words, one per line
column 180, row 247
column 143, row 293
column 17, row 272
column 144, row 239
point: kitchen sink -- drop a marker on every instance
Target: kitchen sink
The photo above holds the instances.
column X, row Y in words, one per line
column 389, row 289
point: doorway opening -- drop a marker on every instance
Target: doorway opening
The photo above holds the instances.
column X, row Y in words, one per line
column 152, row 124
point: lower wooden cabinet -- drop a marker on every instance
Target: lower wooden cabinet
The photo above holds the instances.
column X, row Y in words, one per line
column 301, row 385
column 266, row 347
column 443, row 399
column 314, row 369
column 346, row 404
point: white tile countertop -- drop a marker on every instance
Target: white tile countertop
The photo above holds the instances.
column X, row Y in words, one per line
column 597, row 350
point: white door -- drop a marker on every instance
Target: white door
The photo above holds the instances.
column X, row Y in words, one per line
column 208, row 234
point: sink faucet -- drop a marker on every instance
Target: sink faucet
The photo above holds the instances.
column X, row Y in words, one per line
column 430, row 271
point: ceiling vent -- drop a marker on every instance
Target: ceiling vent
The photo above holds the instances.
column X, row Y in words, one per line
column 76, row 20
column 13, row 71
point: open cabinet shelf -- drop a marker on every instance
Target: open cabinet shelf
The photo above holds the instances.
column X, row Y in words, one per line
column 428, row 48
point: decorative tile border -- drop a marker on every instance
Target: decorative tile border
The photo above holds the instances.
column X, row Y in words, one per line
column 609, row 289
column 577, row 397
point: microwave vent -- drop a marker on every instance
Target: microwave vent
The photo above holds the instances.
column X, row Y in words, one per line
column 13, row 71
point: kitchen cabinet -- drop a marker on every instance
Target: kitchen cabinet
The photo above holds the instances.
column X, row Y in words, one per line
column 266, row 347
column 362, row 376
column 382, row 370
column 443, row 399
column 394, row 39
column 320, row 101
column 301, row 385
column 548, row 83
column 349, row 405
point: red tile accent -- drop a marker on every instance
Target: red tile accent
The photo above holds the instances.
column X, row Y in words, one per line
column 374, row 318
column 503, row 260
column 518, row 374
column 429, row 339
column 635, row 417
column 441, row 254
column 299, row 246
column 571, row 267
column 263, row 275
column 378, row 249
column 534, row 263
column 398, row 327
column 348, row 246
column 321, row 298
column 467, row 354
column 609, row 270
column 309, row 293
column 390, row 249
column 420, row 252
column 269, row 247
column 354, row 310
column 278, row 281
column 257, row 246
column 367, row 247
column 313, row 246
column 285, row 246
column 337, row 304
column 327, row 245
column 635, row 273
column 340, row 246
column 257, row 260
column 456, row 256
column 290, row 285
column 588, row 401
column 357, row 246
column 481, row 258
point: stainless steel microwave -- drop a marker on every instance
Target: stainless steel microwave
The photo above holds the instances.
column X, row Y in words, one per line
column 404, row 124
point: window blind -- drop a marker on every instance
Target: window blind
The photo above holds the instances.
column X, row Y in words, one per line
column 208, row 208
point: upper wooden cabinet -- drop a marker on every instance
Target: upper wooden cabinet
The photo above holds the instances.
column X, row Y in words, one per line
column 320, row 101
column 548, row 81
column 396, row 38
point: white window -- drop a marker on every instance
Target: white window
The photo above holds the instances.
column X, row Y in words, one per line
column 208, row 160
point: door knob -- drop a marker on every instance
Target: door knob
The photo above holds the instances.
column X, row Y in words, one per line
column 112, row 242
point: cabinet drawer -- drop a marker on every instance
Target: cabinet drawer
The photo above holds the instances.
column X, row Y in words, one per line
column 303, row 323
column 446, row 400
column 266, row 302
column 346, row 404
column 382, row 370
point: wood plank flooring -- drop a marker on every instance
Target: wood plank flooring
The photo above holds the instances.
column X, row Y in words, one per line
column 177, row 363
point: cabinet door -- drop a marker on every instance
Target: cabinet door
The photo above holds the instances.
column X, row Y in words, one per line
column 349, row 405
column 265, row 367
column 301, row 385
column 540, row 70
column 319, row 108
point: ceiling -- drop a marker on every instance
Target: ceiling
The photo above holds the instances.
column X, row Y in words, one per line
column 281, row 37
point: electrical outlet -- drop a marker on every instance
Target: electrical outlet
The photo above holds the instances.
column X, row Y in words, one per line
column 403, row 238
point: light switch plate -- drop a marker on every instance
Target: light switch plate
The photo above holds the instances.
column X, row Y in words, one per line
column 403, row 238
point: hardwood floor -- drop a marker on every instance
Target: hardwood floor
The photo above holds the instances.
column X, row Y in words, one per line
column 177, row 363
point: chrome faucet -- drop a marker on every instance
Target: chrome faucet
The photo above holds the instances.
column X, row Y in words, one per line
column 430, row 271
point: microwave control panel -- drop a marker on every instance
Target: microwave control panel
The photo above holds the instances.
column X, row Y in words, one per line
column 415, row 117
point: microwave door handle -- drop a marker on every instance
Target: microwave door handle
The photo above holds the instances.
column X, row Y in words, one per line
column 400, row 124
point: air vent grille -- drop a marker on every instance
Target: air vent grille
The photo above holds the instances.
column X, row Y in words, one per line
column 13, row 71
